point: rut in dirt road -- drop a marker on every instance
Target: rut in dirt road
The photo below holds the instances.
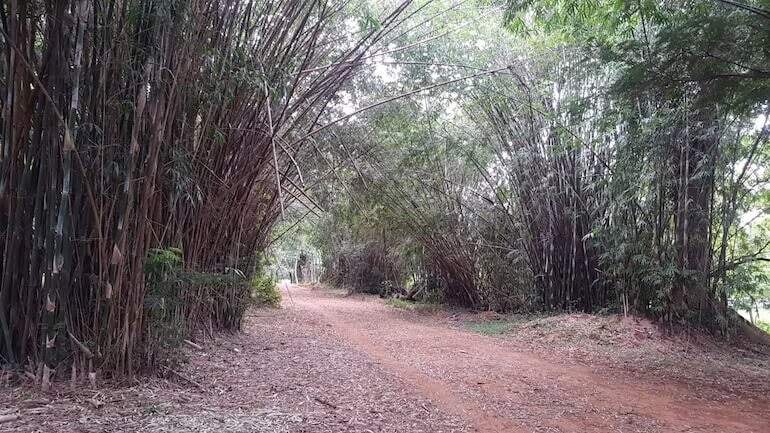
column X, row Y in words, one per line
column 496, row 388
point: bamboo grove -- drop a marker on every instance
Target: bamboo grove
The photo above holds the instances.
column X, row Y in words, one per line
column 607, row 167
column 538, row 155
column 132, row 125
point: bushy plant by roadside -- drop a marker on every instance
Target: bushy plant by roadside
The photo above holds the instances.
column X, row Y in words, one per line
column 165, row 329
column 179, row 302
column 264, row 291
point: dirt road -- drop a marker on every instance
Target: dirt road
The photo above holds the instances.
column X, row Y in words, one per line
column 495, row 388
column 329, row 363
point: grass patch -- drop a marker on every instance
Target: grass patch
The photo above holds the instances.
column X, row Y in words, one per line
column 495, row 327
column 404, row 304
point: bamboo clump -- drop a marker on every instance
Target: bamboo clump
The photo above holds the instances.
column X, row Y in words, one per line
column 134, row 124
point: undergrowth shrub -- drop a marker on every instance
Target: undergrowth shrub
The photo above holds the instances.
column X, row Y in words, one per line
column 264, row 291
column 180, row 302
column 263, row 286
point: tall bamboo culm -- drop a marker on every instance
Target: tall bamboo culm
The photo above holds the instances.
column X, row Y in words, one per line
column 137, row 124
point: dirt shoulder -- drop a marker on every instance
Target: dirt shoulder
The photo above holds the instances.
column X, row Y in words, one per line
column 710, row 369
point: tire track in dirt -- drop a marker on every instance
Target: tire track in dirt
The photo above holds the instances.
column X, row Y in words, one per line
column 498, row 389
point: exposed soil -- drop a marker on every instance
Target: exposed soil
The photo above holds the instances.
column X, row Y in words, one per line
column 616, row 345
column 326, row 362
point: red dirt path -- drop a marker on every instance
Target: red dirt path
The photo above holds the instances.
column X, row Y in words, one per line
column 496, row 388
column 326, row 362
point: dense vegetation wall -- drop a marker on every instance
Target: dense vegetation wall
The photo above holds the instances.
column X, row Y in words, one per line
column 130, row 125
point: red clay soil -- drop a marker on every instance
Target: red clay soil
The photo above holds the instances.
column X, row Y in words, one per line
column 326, row 362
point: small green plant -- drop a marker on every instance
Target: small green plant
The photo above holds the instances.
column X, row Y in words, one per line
column 404, row 304
column 493, row 327
column 179, row 302
column 165, row 329
column 160, row 262
column 264, row 291
column 400, row 303
column 765, row 326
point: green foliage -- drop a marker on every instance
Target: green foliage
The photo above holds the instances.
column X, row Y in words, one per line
column 264, row 291
column 492, row 327
column 407, row 305
column 294, row 245
column 180, row 302
column 675, row 74
column 159, row 263
column 601, row 171
column 765, row 326
column 165, row 328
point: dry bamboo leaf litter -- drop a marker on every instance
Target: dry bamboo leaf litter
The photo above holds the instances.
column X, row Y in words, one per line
column 282, row 374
